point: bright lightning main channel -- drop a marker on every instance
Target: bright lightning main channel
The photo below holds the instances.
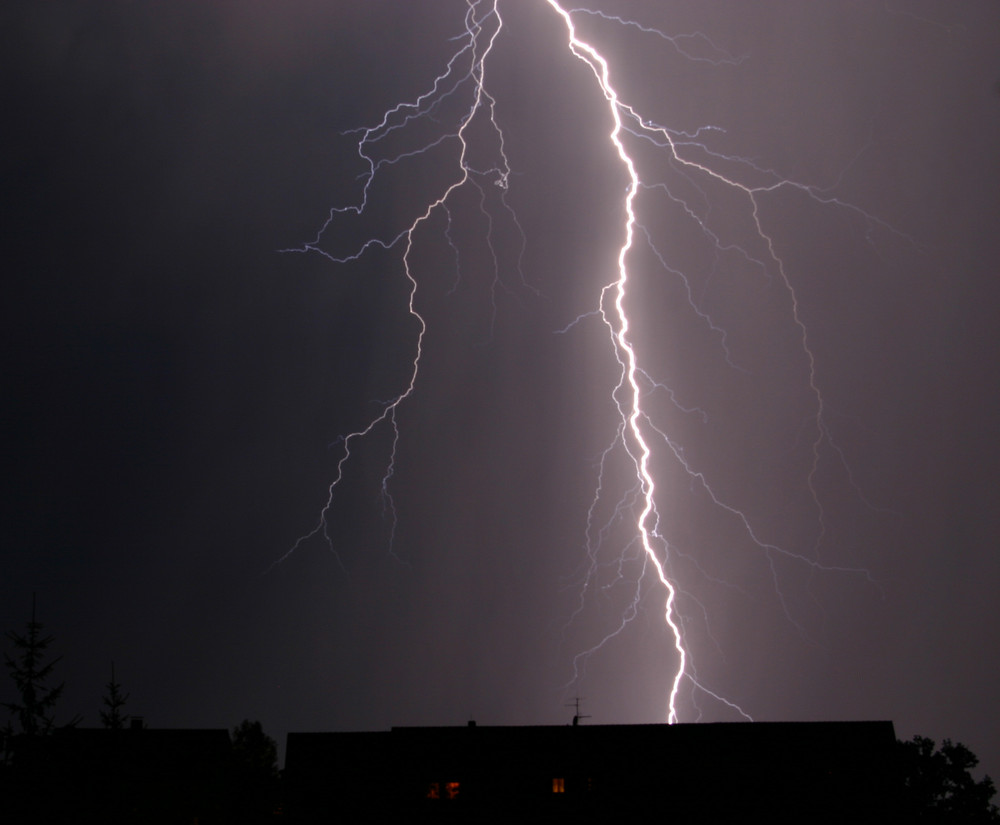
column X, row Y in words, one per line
column 459, row 112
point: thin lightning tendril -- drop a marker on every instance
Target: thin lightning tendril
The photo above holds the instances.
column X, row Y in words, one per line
column 476, row 33
column 636, row 433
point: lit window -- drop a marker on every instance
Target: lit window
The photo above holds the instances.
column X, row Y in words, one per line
column 559, row 785
column 442, row 790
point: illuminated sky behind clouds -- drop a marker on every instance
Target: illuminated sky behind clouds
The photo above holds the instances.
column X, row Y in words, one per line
column 177, row 387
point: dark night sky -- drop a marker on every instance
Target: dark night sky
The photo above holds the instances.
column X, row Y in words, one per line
column 174, row 386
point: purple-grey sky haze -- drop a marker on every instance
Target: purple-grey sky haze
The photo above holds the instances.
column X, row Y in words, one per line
column 176, row 388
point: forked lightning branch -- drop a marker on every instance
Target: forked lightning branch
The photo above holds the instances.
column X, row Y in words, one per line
column 643, row 442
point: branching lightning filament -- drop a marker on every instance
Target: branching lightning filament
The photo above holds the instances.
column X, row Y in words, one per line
column 641, row 440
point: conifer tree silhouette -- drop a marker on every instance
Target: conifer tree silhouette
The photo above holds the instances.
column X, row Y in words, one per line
column 114, row 701
column 30, row 672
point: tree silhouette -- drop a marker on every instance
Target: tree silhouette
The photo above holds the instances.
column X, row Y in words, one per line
column 257, row 785
column 114, row 701
column 938, row 786
column 255, row 751
column 30, row 672
column 30, row 770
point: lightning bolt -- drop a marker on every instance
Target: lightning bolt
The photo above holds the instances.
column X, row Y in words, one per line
column 465, row 69
column 627, row 394
column 636, row 428
column 471, row 140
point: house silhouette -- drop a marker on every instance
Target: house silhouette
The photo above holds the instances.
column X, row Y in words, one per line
column 816, row 772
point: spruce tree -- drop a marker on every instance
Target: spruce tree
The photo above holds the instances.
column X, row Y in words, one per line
column 114, row 701
column 30, row 672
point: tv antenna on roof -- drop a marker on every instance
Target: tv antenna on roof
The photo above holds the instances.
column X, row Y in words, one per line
column 577, row 716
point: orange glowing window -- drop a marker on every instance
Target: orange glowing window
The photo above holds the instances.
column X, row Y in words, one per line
column 451, row 790
column 433, row 791
column 559, row 785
